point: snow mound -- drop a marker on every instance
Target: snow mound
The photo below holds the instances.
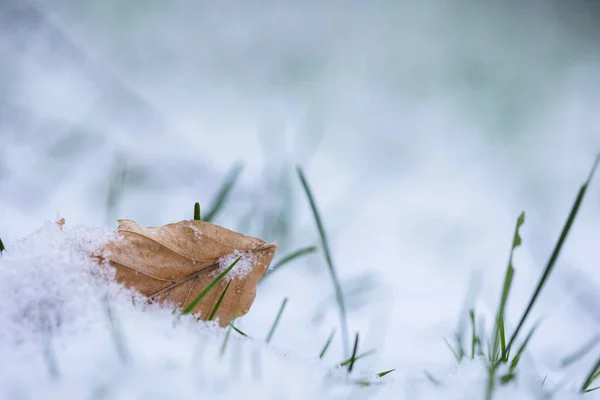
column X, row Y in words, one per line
column 70, row 332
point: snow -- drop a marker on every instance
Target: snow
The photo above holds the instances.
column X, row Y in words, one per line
column 61, row 343
column 243, row 267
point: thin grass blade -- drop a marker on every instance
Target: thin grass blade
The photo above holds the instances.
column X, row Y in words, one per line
column 431, row 378
column 2, row 248
column 499, row 347
column 593, row 375
column 223, row 193
column 358, row 357
column 289, row 258
column 238, row 331
column 353, row 358
column 218, row 303
column 276, row 322
column 521, row 350
column 197, row 212
column 210, row 286
column 556, row 252
column 327, row 344
column 384, row 373
column 474, row 338
column 452, row 350
column 328, row 258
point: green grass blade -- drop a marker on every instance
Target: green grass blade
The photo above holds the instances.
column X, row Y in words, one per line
column 329, row 339
column 2, row 248
column 452, row 350
column 502, row 339
column 358, row 357
column 384, row 373
column 593, row 375
column 211, row 285
column 499, row 348
column 581, row 352
column 289, row 258
column 353, row 358
column 521, row 350
column 237, row 330
column 474, row 338
column 197, row 212
column 328, row 258
column 218, row 303
column 465, row 315
column 556, row 252
column 276, row 322
column 223, row 193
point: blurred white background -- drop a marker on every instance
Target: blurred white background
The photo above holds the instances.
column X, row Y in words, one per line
column 424, row 129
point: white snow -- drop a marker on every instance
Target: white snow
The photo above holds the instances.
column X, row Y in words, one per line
column 243, row 267
column 60, row 343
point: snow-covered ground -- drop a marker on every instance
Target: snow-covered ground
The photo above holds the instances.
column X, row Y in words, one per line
column 424, row 130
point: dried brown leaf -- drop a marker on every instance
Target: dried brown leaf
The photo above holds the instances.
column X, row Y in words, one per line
column 175, row 262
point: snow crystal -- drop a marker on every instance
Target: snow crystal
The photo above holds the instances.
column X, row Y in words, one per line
column 243, row 267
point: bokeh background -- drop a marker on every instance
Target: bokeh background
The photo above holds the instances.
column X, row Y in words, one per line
column 424, row 129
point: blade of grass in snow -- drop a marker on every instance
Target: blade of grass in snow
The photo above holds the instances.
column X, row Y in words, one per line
column 277, row 318
column 224, row 345
column 218, row 303
column 211, row 285
column 475, row 341
column 116, row 334
column 592, row 376
column 2, row 248
column 521, row 350
column 467, row 310
column 353, row 358
column 237, row 330
column 556, row 252
column 358, row 357
column 432, row 379
column 384, row 373
column 581, row 352
column 327, row 344
column 499, row 338
column 498, row 351
column 452, row 350
column 223, row 193
column 290, row 257
column 328, row 258
column 197, row 212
